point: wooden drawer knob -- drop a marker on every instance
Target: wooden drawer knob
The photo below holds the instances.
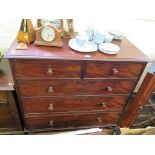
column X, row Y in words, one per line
column 115, row 71
column 51, row 107
column 50, row 90
column 50, row 71
column 103, row 104
column 109, row 89
column 99, row 120
column 51, row 124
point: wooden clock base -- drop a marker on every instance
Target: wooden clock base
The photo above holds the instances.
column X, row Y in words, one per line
column 57, row 44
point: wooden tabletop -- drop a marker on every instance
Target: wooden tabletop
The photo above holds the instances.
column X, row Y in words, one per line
column 128, row 52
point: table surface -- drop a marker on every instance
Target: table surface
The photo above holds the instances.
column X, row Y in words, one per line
column 128, row 52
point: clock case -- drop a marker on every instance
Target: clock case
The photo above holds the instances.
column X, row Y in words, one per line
column 61, row 27
column 56, row 42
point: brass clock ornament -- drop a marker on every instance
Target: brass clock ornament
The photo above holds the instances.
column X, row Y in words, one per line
column 58, row 23
column 48, row 35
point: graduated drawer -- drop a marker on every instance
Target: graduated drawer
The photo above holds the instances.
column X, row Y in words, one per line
column 70, row 121
column 89, row 103
column 30, row 88
column 113, row 69
column 47, row 69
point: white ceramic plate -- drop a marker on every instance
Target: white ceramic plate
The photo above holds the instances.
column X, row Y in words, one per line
column 89, row 47
column 116, row 34
column 109, row 48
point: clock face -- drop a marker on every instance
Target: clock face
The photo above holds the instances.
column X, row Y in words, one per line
column 55, row 22
column 48, row 34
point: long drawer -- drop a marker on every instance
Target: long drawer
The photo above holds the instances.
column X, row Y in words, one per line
column 72, row 104
column 73, row 120
column 113, row 69
column 47, row 69
column 30, row 88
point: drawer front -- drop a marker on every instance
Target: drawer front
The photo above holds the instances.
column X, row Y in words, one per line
column 74, row 87
column 68, row 121
column 112, row 69
column 74, row 104
column 3, row 96
column 50, row 105
column 6, row 118
column 47, row 69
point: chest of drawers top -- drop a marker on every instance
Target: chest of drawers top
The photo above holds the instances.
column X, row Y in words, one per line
column 128, row 52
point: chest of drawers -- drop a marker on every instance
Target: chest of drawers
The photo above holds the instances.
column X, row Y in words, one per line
column 60, row 89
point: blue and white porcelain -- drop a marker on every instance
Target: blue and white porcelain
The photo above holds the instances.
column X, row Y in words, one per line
column 81, row 40
column 90, row 31
column 108, row 38
column 117, row 34
column 87, row 47
column 109, row 48
column 98, row 38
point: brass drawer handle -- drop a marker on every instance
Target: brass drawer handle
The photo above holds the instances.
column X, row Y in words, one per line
column 50, row 90
column 115, row 71
column 103, row 104
column 51, row 124
column 51, row 107
column 50, row 71
column 109, row 89
column 99, row 120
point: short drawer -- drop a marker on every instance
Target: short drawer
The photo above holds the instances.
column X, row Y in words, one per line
column 30, row 88
column 71, row 121
column 3, row 96
column 47, row 69
column 72, row 104
column 113, row 69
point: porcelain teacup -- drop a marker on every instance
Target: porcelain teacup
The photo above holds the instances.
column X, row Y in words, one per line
column 81, row 40
column 90, row 31
column 108, row 38
column 98, row 38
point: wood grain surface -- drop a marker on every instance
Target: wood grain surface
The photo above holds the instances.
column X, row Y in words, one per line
column 73, row 104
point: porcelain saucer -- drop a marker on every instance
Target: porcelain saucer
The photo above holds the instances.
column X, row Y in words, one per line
column 118, row 35
column 88, row 47
column 109, row 48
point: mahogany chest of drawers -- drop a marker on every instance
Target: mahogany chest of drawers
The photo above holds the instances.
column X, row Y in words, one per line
column 61, row 89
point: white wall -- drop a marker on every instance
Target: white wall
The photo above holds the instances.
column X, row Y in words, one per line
column 8, row 31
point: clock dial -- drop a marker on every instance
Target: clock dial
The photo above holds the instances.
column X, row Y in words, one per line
column 48, row 34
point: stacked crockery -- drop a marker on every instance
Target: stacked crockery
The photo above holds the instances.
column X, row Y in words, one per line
column 117, row 34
